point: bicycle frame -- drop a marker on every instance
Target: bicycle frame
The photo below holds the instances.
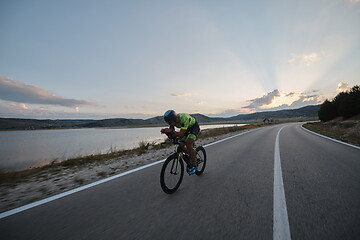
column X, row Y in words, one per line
column 179, row 150
column 181, row 156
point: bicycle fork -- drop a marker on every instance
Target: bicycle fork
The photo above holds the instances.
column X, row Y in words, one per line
column 175, row 164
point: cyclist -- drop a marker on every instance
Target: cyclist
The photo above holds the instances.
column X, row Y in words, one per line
column 189, row 129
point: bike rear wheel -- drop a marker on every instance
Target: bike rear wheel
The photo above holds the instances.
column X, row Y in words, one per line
column 172, row 173
column 200, row 159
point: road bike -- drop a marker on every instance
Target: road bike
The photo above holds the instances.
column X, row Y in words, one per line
column 172, row 171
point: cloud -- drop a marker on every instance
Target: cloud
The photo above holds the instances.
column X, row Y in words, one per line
column 342, row 87
column 310, row 58
column 21, row 106
column 227, row 113
column 16, row 91
column 19, row 110
column 190, row 98
column 305, row 100
column 290, row 94
column 306, row 59
column 180, row 94
column 264, row 100
column 277, row 100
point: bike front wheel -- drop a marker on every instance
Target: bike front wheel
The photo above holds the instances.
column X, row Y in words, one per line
column 172, row 173
column 200, row 159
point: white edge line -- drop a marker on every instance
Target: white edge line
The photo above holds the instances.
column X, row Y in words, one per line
column 60, row 195
column 55, row 197
column 281, row 228
column 329, row 138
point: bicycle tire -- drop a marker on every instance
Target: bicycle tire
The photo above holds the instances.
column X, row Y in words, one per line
column 169, row 180
column 200, row 159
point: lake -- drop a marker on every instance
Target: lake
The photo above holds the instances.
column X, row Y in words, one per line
column 24, row 149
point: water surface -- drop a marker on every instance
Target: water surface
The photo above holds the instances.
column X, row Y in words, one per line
column 23, row 149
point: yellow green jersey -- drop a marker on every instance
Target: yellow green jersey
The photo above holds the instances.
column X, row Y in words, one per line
column 186, row 121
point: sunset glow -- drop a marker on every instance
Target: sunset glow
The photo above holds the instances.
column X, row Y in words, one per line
column 138, row 59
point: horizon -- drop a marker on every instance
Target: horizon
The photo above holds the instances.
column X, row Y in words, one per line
column 94, row 60
column 154, row 116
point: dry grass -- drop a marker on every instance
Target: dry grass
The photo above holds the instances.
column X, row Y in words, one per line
column 346, row 131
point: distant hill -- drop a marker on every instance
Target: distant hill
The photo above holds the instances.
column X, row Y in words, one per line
column 305, row 112
column 159, row 120
column 115, row 122
column 205, row 119
column 32, row 124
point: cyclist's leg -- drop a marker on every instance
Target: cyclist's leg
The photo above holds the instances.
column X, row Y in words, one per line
column 190, row 141
column 186, row 151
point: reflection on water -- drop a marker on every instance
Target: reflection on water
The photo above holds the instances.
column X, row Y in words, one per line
column 23, row 149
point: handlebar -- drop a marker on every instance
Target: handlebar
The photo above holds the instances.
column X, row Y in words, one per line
column 173, row 140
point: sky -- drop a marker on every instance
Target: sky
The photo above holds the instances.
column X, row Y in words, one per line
column 85, row 59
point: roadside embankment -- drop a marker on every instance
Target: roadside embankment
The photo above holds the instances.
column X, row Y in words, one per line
column 347, row 131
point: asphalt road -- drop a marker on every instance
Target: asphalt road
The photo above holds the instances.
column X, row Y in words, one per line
column 233, row 199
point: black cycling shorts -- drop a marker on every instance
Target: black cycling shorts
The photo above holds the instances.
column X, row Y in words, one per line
column 193, row 131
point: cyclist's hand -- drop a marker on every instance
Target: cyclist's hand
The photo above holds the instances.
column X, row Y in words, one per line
column 166, row 130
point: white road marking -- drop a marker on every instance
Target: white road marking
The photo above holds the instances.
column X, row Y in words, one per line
column 46, row 200
column 55, row 197
column 281, row 228
column 347, row 144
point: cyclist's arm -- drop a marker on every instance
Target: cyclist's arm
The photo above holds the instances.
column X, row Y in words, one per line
column 180, row 134
column 171, row 132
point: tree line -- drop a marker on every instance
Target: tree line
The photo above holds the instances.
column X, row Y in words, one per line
column 345, row 104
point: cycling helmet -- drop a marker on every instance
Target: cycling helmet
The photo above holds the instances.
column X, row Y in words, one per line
column 170, row 116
